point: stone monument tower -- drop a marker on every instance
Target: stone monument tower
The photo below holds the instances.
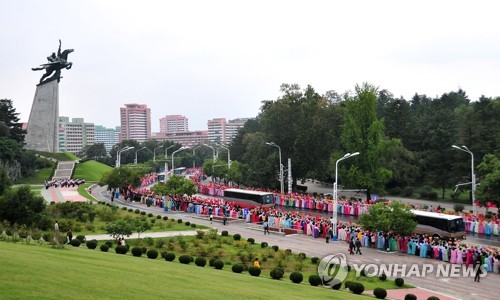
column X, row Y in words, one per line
column 42, row 133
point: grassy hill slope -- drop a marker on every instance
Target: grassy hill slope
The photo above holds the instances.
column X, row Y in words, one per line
column 90, row 170
column 41, row 272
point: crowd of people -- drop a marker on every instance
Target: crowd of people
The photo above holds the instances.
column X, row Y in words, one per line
column 63, row 183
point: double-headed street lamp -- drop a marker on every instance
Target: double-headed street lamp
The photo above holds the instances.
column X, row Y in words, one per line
column 194, row 158
column 228, row 155
column 135, row 160
column 281, row 167
column 334, row 219
column 473, row 179
column 119, row 155
column 173, row 153
column 154, row 152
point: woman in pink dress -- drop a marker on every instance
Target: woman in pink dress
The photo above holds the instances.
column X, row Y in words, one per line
column 453, row 258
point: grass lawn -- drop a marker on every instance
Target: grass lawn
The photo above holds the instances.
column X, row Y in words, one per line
column 91, row 170
column 82, row 190
column 42, row 272
column 39, row 177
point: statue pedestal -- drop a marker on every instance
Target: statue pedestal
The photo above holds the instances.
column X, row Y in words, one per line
column 42, row 133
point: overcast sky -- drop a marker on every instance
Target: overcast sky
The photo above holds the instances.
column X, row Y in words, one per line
column 210, row 59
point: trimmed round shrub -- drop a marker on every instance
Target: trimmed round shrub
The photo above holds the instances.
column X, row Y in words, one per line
column 296, row 277
column 185, row 259
column 237, row 268
column 144, row 213
column 152, row 253
column 104, row 248
column 162, row 254
column 410, row 297
column 137, row 211
column 399, row 282
column 264, row 245
column 218, row 264
column 75, row 243
column 254, row 271
column 130, row 210
column 336, row 284
column 314, row 280
column 237, row 237
column 179, row 221
column 363, row 273
column 380, row 293
column 433, row 298
column 347, row 284
column 193, row 225
column 200, row 261
column 211, row 262
column 169, row 256
column 251, row 240
column 158, row 217
column 288, row 251
column 302, row 255
column 109, row 243
column 144, row 250
column 383, row 277
column 124, row 208
column 91, row 244
column 187, row 223
column 315, row 260
column 224, row 233
column 136, row 251
column 121, row 249
column 357, row 288
column 277, row 273
column 150, row 215
column 275, row 248
column 165, row 218
column 81, row 238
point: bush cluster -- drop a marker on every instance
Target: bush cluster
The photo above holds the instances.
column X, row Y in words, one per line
column 187, row 223
column 264, row 245
column 193, row 225
column 275, row 248
column 144, row 213
column 399, row 282
column 237, row 237
column 302, row 255
column 224, row 233
column 152, row 253
column 433, row 298
column 380, row 293
column 137, row 211
column 277, row 273
column 75, row 243
column 104, row 248
column 357, row 288
column 165, row 218
column 314, row 280
column 383, row 277
column 251, row 240
column 218, row 264
column 254, row 271
column 120, row 249
column 109, row 243
column 92, row 244
column 136, row 251
column 315, row 260
column 179, row 221
column 237, row 268
column 150, row 215
column 169, row 256
column 81, row 238
column 410, row 297
column 336, row 284
column 200, row 261
column 185, row 259
column 296, row 277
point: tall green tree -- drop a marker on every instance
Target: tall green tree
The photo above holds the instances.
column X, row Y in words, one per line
column 10, row 120
column 394, row 218
column 175, row 185
column 21, row 206
column 363, row 132
column 489, row 189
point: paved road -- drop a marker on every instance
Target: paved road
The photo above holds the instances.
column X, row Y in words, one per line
column 460, row 288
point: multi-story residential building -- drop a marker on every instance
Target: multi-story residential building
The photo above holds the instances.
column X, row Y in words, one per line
column 220, row 131
column 173, row 124
column 107, row 136
column 135, row 122
column 75, row 135
column 186, row 139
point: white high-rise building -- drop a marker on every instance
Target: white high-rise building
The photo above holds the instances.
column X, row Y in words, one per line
column 107, row 136
column 220, row 131
column 135, row 122
column 75, row 135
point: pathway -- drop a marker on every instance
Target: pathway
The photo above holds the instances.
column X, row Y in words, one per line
column 64, row 170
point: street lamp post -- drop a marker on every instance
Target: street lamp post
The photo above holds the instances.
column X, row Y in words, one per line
column 473, row 179
column 154, row 153
column 228, row 155
column 119, row 155
column 281, row 166
column 213, row 150
column 194, row 158
column 166, row 151
column 135, row 160
column 334, row 219
column 178, row 150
